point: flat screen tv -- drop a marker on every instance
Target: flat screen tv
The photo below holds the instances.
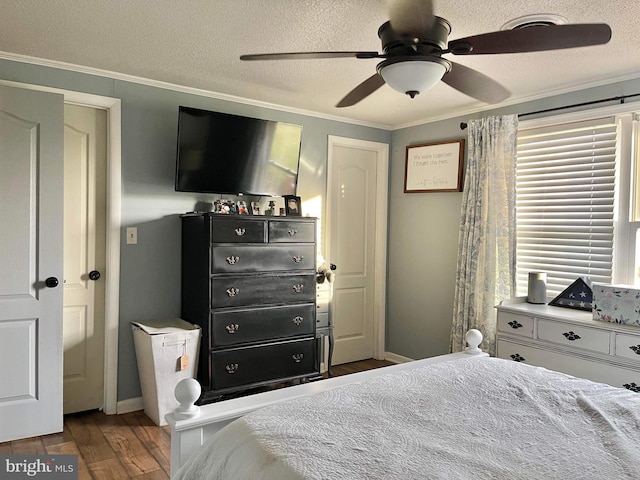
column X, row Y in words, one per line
column 230, row 154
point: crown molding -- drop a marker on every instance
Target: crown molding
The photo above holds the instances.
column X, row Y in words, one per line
column 180, row 88
column 474, row 111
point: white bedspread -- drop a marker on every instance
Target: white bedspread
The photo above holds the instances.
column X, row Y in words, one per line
column 469, row 419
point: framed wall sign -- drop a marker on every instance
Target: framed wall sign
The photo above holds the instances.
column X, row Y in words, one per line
column 434, row 167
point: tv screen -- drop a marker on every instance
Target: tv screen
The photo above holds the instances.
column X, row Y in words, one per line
column 231, row 154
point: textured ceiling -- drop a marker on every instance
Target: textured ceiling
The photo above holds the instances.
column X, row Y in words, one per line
column 196, row 43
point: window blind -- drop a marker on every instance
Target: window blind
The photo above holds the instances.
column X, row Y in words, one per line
column 565, row 192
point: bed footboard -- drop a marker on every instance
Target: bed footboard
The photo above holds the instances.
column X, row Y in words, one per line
column 192, row 425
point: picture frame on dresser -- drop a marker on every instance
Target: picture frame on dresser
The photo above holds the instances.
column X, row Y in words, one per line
column 242, row 208
column 292, row 206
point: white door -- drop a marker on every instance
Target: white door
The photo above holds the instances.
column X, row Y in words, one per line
column 31, row 188
column 85, row 158
column 356, row 205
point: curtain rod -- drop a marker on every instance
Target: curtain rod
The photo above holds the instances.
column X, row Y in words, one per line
column 620, row 98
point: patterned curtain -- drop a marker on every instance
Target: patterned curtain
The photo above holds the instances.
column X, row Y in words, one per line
column 487, row 242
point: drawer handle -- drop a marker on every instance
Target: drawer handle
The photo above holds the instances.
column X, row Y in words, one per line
column 297, row 320
column 636, row 349
column 232, row 260
column 292, row 233
column 232, row 328
column 232, row 292
column 298, row 258
column 240, row 231
column 298, row 287
column 632, row 386
column 516, row 357
column 571, row 336
column 514, row 324
column 231, row 368
column 297, row 357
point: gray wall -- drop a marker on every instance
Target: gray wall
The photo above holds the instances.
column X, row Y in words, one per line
column 424, row 228
column 150, row 270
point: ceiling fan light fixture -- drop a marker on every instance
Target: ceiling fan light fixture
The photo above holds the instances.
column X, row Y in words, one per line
column 411, row 75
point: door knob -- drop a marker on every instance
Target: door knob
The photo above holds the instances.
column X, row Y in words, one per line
column 94, row 275
column 51, row 282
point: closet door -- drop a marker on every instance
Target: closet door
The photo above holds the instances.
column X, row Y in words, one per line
column 31, row 215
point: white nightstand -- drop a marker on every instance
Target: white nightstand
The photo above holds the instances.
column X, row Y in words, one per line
column 324, row 323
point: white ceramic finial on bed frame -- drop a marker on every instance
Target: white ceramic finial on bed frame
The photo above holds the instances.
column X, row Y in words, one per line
column 187, row 392
column 474, row 339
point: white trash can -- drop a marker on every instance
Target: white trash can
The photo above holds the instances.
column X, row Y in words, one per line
column 167, row 352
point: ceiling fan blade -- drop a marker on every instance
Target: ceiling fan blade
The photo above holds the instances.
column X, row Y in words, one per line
column 410, row 18
column 475, row 84
column 533, row 39
column 308, row 55
column 363, row 90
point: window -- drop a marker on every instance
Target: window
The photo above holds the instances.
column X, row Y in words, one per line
column 572, row 196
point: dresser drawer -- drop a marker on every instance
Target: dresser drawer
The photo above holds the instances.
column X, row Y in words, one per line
column 237, row 230
column 262, row 258
column 323, row 292
column 292, row 232
column 239, row 291
column 576, row 366
column 322, row 307
column 322, row 320
column 628, row 346
column 574, row 336
column 232, row 327
column 515, row 324
column 262, row 363
column 508, row 350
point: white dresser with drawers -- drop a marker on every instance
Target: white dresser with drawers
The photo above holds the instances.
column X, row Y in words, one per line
column 569, row 341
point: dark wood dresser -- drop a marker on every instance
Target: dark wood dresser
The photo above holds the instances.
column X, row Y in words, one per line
column 250, row 283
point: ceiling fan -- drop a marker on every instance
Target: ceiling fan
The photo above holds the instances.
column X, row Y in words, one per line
column 414, row 41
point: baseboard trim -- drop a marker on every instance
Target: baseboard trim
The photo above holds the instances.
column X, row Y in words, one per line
column 395, row 358
column 129, row 405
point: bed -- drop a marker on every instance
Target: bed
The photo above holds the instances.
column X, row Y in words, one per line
column 455, row 416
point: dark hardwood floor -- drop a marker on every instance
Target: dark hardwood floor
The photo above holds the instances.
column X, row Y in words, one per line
column 354, row 367
column 123, row 446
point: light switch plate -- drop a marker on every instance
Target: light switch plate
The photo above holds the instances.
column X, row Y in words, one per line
column 132, row 235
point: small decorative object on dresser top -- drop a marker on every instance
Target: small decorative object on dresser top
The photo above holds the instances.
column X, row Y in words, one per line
column 242, row 208
column 578, row 295
column 224, row 207
column 537, row 291
column 569, row 341
column 271, row 210
column 616, row 304
column 292, row 205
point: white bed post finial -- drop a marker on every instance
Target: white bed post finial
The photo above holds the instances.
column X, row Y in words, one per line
column 474, row 339
column 187, row 392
